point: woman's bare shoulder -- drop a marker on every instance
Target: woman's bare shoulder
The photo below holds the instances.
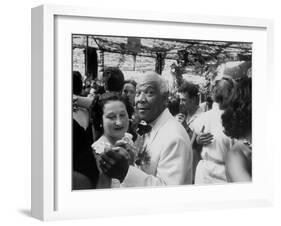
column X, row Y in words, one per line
column 240, row 148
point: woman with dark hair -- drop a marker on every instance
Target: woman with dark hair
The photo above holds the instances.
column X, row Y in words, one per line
column 129, row 90
column 97, row 110
column 112, row 121
column 237, row 122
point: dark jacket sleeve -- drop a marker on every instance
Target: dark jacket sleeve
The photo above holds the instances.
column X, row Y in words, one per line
column 83, row 159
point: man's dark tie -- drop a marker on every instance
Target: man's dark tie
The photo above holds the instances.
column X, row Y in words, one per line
column 143, row 129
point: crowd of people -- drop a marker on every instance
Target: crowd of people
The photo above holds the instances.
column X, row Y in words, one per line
column 129, row 134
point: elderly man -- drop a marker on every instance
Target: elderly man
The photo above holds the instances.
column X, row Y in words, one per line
column 168, row 148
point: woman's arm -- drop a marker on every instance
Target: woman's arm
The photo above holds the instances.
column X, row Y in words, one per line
column 236, row 166
column 83, row 102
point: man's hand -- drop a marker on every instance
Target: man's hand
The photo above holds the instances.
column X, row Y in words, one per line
column 131, row 150
column 204, row 138
column 115, row 163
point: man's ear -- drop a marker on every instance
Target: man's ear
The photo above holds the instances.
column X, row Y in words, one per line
column 165, row 98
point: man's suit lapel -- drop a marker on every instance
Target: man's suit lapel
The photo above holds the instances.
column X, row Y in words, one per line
column 161, row 121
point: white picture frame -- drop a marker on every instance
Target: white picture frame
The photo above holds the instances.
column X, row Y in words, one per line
column 52, row 197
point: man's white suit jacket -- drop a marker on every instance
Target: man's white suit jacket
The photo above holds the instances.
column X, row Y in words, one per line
column 170, row 151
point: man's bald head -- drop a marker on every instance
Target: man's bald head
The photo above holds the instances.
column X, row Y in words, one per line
column 154, row 78
column 151, row 96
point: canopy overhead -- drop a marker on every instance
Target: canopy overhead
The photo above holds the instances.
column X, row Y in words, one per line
column 191, row 51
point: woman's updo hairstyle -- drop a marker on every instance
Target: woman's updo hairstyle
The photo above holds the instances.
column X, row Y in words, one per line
column 98, row 106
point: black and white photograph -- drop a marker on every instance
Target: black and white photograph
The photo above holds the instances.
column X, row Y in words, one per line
column 150, row 111
column 153, row 113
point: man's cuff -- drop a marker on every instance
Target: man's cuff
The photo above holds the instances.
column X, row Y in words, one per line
column 134, row 178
